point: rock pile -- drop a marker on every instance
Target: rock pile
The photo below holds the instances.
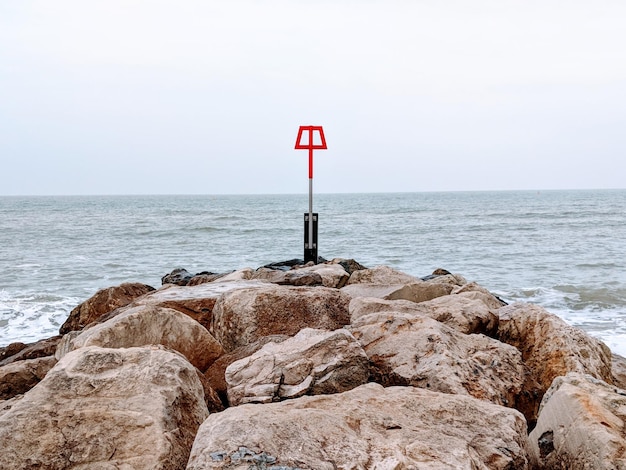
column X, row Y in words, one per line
column 328, row 366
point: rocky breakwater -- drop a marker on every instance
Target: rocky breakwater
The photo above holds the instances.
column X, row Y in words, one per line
column 332, row 366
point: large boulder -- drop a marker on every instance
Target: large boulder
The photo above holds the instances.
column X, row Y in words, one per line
column 550, row 347
column 313, row 362
column 145, row 325
column 195, row 301
column 103, row 302
column 20, row 376
column 100, row 408
column 241, row 317
column 381, row 275
column 367, row 427
column 20, row 351
column 422, row 352
column 216, row 373
column 468, row 312
column 581, row 426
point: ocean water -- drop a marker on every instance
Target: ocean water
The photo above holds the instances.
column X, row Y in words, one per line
column 563, row 250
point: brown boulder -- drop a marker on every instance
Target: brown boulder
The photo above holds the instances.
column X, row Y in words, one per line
column 103, row 302
column 20, row 376
column 241, row 317
column 43, row 348
column 146, row 325
column 100, row 408
column 369, row 427
column 618, row 370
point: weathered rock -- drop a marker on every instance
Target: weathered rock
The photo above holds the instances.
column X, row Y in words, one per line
column 146, row 325
column 43, row 348
column 550, row 347
column 468, row 312
column 455, row 280
column 243, row 316
column 618, row 370
column 581, row 425
column 202, row 278
column 313, row 362
column 350, row 265
column 239, row 275
column 216, row 373
column 196, row 301
column 103, row 302
column 179, row 276
column 415, row 292
column 11, row 350
column 6, row 405
column 422, row 352
column 490, row 299
column 19, row 377
column 368, row 427
column 381, row 275
column 99, row 408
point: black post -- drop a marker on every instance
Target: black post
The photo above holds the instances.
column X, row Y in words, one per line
column 310, row 250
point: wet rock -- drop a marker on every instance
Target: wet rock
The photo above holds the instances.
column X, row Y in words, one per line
column 147, row 325
column 242, row 316
column 43, row 348
column 422, row 352
column 11, row 350
column 580, row 426
column 284, row 265
column 313, row 362
column 19, row 377
column 367, row 427
column 205, row 277
column 103, row 302
column 349, row 265
column 134, row 408
column 179, row 277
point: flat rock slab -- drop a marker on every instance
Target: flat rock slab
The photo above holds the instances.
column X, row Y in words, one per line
column 100, row 408
column 313, row 362
column 146, row 325
column 369, row 427
column 419, row 291
column 467, row 312
column 581, row 425
column 196, row 301
column 242, row 316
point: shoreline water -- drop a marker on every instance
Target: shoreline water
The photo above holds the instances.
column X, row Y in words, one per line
column 559, row 249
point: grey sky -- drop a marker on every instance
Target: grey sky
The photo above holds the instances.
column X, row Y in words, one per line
column 160, row 97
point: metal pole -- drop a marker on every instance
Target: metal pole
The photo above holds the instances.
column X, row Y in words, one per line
column 311, row 193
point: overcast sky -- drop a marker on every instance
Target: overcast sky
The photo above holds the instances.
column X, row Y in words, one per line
column 206, row 97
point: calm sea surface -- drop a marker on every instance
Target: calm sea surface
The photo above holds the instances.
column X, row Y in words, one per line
column 564, row 250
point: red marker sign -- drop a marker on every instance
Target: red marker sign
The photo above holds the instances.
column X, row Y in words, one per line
column 310, row 244
column 310, row 146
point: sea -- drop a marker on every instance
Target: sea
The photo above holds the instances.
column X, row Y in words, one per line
column 562, row 250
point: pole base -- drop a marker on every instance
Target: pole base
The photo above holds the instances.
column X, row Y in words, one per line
column 310, row 246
